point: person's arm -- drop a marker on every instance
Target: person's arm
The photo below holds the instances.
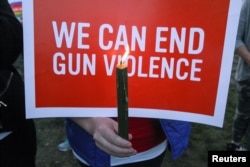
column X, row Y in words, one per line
column 11, row 35
column 244, row 53
column 105, row 134
column 240, row 47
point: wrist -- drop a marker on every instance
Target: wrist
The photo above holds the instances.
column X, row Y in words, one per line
column 85, row 123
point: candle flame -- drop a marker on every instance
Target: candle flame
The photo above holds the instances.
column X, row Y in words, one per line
column 125, row 55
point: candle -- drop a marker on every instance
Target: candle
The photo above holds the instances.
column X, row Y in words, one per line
column 122, row 96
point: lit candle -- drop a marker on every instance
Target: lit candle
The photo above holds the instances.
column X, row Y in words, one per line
column 122, row 96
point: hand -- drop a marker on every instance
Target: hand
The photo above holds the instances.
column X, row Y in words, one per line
column 105, row 134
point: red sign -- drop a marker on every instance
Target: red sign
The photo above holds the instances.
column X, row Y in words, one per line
column 174, row 63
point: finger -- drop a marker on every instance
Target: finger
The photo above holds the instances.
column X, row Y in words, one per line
column 113, row 137
column 116, row 151
column 115, row 145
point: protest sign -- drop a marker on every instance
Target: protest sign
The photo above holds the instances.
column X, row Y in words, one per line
column 179, row 64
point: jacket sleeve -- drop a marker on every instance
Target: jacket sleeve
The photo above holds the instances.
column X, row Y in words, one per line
column 178, row 133
column 11, row 35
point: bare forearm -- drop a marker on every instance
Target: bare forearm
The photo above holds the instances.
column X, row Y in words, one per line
column 244, row 53
column 94, row 124
column 85, row 123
